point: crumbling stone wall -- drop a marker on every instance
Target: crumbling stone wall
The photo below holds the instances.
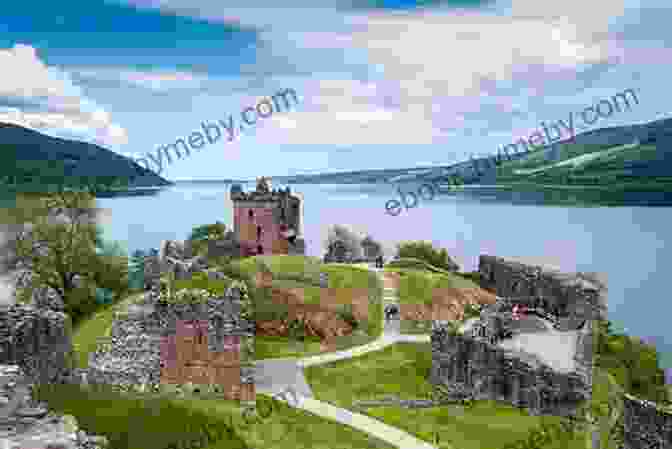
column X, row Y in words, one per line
column 491, row 372
column 26, row 423
column 646, row 426
column 134, row 355
column 37, row 340
column 475, row 361
column 574, row 297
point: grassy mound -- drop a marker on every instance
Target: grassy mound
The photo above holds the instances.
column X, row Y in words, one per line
column 415, row 264
column 140, row 423
column 416, row 286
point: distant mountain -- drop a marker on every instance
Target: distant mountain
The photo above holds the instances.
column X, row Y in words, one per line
column 31, row 160
column 649, row 163
column 627, row 157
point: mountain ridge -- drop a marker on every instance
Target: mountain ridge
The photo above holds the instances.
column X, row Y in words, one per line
column 35, row 160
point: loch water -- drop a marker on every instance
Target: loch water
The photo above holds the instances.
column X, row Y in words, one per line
column 625, row 243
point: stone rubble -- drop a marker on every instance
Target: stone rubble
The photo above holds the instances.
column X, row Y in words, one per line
column 28, row 424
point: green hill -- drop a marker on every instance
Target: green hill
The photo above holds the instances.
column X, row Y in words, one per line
column 637, row 166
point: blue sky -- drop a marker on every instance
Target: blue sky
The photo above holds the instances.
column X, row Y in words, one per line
column 382, row 84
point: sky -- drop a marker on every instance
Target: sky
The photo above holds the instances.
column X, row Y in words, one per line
column 380, row 84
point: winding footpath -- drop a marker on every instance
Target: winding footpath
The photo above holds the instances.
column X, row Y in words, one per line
column 275, row 376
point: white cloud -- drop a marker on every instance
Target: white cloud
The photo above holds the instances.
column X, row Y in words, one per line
column 154, row 80
column 60, row 104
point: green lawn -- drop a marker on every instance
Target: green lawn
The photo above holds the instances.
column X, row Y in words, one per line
column 267, row 347
column 402, row 370
column 288, row 428
column 153, row 422
column 416, row 287
column 85, row 336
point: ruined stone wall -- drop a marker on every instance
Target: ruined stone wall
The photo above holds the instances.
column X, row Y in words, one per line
column 490, row 372
column 646, row 425
column 26, row 423
column 136, row 351
column 37, row 340
column 574, row 297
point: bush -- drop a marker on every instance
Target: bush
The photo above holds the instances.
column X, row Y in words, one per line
column 297, row 330
column 425, row 251
column 200, row 235
column 633, row 363
column 345, row 313
column 472, row 311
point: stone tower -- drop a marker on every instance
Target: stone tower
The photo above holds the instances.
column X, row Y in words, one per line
column 267, row 221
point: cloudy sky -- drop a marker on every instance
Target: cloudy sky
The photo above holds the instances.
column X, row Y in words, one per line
column 381, row 84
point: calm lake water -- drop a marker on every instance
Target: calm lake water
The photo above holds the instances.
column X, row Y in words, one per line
column 626, row 244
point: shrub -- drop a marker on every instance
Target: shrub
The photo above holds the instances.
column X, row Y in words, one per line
column 297, row 330
column 345, row 313
column 425, row 251
column 351, row 240
column 200, row 281
column 472, row 311
column 200, row 235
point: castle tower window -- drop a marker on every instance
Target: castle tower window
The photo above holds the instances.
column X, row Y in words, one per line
column 250, row 214
column 258, row 232
column 260, row 250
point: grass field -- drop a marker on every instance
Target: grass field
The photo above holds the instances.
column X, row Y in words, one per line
column 286, row 428
column 402, row 370
column 417, row 286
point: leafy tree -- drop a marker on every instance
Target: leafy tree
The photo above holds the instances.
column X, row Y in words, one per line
column 350, row 239
column 136, row 271
column 208, row 231
column 200, row 235
column 425, row 251
column 63, row 248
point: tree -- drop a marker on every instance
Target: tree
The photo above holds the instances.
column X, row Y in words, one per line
column 425, row 251
column 200, row 235
column 136, row 271
column 348, row 237
column 63, row 249
column 208, row 231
